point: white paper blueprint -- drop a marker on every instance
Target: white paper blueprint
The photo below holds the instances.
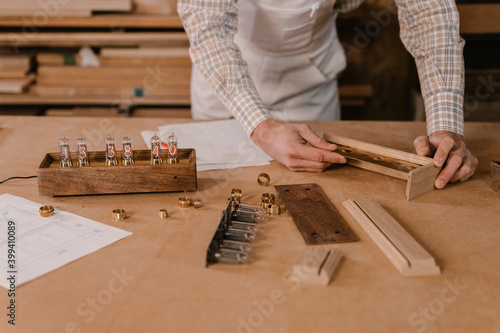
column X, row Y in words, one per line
column 221, row 144
column 43, row 244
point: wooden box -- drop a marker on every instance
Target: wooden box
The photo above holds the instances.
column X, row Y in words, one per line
column 142, row 177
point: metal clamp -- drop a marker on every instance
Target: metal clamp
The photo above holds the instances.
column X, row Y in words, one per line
column 46, row 211
column 263, row 179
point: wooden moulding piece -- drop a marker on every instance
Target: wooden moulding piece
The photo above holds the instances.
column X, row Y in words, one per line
column 100, row 179
column 402, row 250
column 495, row 175
column 316, row 265
column 419, row 171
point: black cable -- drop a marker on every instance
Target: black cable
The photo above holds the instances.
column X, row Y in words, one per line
column 6, row 180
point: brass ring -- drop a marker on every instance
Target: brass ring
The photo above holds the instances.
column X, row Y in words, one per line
column 119, row 215
column 46, row 211
column 273, row 210
column 185, row 202
column 197, row 203
column 266, row 180
column 163, row 213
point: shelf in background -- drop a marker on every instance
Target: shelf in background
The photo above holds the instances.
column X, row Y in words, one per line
column 125, row 20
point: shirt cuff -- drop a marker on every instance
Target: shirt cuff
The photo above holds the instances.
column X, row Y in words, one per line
column 249, row 110
column 444, row 112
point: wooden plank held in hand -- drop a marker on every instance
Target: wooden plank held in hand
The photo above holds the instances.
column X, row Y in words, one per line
column 316, row 265
column 402, row 250
column 419, row 171
column 317, row 220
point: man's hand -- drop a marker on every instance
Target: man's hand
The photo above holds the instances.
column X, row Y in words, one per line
column 287, row 145
column 450, row 152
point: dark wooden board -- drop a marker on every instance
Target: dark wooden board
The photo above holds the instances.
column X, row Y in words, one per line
column 100, row 179
column 317, row 219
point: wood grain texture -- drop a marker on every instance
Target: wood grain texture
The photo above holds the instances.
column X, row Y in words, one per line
column 100, row 179
column 402, row 250
column 317, row 220
column 495, row 175
column 482, row 18
column 316, row 265
column 421, row 180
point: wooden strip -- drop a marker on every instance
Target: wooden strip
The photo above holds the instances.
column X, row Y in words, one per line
column 58, row 59
column 15, row 86
column 112, row 91
column 385, row 151
column 317, row 220
column 94, row 39
column 13, row 74
column 494, row 175
column 124, row 20
column 402, row 250
column 145, row 52
column 34, row 12
column 316, row 265
column 30, row 99
column 73, row 5
column 10, row 62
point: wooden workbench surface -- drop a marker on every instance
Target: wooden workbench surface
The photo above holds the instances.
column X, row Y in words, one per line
column 166, row 287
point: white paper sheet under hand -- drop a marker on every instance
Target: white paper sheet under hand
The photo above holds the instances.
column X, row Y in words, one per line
column 221, row 144
column 45, row 244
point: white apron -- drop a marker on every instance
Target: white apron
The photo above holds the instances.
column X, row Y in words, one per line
column 293, row 56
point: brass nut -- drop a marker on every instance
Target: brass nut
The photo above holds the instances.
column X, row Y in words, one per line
column 163, row 213
column 197, row 203
column 263, row 179
column 185, row 202
column 46, row 211
column 273, row 210
column 119, row 215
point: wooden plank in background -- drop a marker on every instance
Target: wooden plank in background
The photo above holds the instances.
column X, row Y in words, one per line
column 10, row 62
column 77, row 39
column 73, row 5
column 99, row 20
column 317, row 220
column 483, row 18
column 111, row 91
column 59, row 59
column 15, row 86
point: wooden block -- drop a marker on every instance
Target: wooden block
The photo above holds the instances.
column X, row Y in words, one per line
column 402, row 250
column 100, row 179
column 495, row 175
column 317, row 220
column 316, row 266
column 15, row 86
column 419, row 171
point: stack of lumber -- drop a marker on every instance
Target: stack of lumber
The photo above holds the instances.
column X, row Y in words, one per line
column 14, row 76
column 162, row 74
column 73, row 8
